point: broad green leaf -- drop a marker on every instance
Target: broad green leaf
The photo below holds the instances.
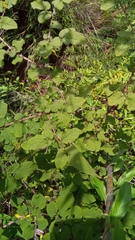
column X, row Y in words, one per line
column 70, row 135
column 41, row 222
column 117, row 98
column 92, row 212
column 8, row 136
column 38, row 201
column 75, row 212
column 77, row 161
column 18, row 44
column 45, row 176
column 107, row 4
column 34, row 143
column 67, row 1
column 7, row 23
column 24, row 170
column 33, row 73
column 93, row 145
column 3, row 109
column 56, row 25
column 58, row 4
column 44, row 16
column 121, row 47
column 100, row 187
column 86, row 199
column 65, row 201
column 126, row 177
column 17, row 130
column 17, row 59
column 41, row 5
column 27, row 229
column 61, row 159
column 18, row 116
column 52, row 209
column 56, row 43
column 131, row 101
column 122, row 201
column 71, row 36
column 118, row 232
column 74, row 103
column 2, row 53
column 49, row 236
column 10, row 184
column 108, row 149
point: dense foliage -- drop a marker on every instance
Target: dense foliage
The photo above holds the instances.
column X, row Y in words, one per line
column 67, row 117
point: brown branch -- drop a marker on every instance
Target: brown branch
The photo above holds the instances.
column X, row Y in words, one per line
column 25, row 119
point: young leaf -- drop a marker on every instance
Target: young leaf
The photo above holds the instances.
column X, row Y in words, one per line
column 122, row 201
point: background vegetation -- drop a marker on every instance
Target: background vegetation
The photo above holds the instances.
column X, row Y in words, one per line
column 67, row 120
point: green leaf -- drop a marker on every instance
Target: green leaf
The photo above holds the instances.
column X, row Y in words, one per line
column 117, row 98
column 107, row 4
column 70, row 135
column 17, row 130
column 41, row 5
column 100, row 187
column 61, row 159
column 76, row 212
column 34, row 143
column 65, row 201
column 58, row 4
column 77, row 161
column 7, row 23
column 27, row 229
column 24, row 170
column 44, row 16
column 126, row 177
column 17, row 59
column 122, row 201
column 74, row 103
column 3, row 109
column 10, row 184
column 18, row 44
column 56, row 25
column 56, row 43
column 71, row 36
column 118, row 232
column 52, row 209
column 93, row 145
column 41, row 222
column 33, row 73
column 49, row 236
column 122, row 46
column 38, row 201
